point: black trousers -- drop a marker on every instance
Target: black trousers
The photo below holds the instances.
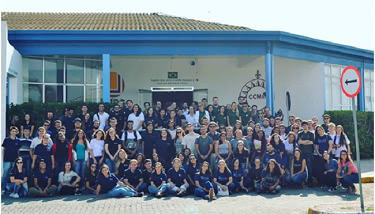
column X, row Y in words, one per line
column 328, row 179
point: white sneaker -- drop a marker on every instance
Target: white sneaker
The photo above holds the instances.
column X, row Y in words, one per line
column 16, row 195
column 11, row 195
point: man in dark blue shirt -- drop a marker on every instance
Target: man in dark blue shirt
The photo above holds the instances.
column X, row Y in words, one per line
column 133, row 177
column 10, row 153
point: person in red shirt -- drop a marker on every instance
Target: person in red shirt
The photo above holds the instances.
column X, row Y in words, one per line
column 347, row 173
column 62, row 152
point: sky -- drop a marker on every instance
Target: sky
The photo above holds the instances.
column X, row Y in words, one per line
column 348, row 22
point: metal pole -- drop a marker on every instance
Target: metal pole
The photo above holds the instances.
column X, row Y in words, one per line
column 358, row 155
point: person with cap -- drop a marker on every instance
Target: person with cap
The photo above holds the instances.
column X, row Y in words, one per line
column 77, row 126
column 43, row 186
column 326, row 120
column 306, row 144
column 67, row 119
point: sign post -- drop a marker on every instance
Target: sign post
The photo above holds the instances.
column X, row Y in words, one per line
column 351, row 85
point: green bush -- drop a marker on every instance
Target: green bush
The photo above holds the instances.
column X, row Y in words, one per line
column 365, row 125
column 38, row 111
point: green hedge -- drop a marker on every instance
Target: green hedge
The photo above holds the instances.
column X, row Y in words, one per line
column 38, row 111
column 365, row 125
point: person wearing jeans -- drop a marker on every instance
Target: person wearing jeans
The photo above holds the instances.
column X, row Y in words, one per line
column 18, row 180
column 158, row 182
column 108, row 183
column 298, row 169
column 305, row 142
column 10, row 152
column 203, row 182
column 62, row 152
column 80, row 154
column 347, row 173
column 112, row 146
column 177, row 178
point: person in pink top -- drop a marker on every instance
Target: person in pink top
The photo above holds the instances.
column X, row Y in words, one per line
column 347, row 173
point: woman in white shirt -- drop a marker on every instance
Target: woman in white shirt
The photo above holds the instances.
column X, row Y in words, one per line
column 191, row 118
column 96, row 148
column 201, row 113
column 137, row 117
column 340, row 142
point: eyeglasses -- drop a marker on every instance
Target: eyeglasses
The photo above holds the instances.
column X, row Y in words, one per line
column 93, row 166
column 178, row 132
column 295, row 128
column 326, row 118
column 19, row 162
column 46, row 138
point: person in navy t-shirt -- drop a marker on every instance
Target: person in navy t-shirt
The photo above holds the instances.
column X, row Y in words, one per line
column 10, row 146
column 43, row 151
column 191, row 169
column 133, row 177
column 177, row 178
column 18, row 180
column 240, row 178
column 158, row 181
column 42, row 182
column 223, row 177
column 205, row 188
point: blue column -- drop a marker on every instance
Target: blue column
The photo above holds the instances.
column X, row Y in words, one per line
column 269, row 77
column 106, row 77
column 361, row 94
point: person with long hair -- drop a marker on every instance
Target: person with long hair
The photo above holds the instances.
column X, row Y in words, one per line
column 242, row 154
column 149, row 138
column 163, row 119
column 323, row 142
column 164, row 148
column 223, row 177
column 279, row 147
column 260, row 143
column 181, row 156
column 17, row 180
column 330, row 170
column 140, row 161
column 43, row 186
column 240, row 178
column 62, row 152
column 177, row 178
column 290, row 145
column 108, row 183
column 180, row 134
column 158, row 182
column 96, row 148
column 122, row 163
column 69, row 181
column 297, row 169
column 255, row 174
column 27, row 123
column 137, row 117
column 340, row 142
column 347, row 173
column 112, row 146
column 151, row 117
column 221, row 117
column 223, row 148
column 80, row 154
column 90, row 179
column 205, row 188
column 191, row 168
column 249, row 145
column 172, row 129
column 271, row 178
column 232, row 115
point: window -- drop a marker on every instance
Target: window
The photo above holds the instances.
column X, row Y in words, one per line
column 335, row 99
column 62, row 78
column 369, row 89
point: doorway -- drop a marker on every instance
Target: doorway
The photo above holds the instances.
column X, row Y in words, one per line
column 167, row 97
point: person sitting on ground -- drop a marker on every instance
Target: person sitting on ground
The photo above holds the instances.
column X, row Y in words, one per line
column 43, row 186
column 108, row 183
column 347, row 173
column 329, row 175
column 91, row 178
column 158, row 182
column 255, row 175
column 177, row 178
column 223, row 177
column 270, row 178
column 133, row 177
column 205, row 188
column 18, row 180
column 69, row 181
column 297, row 169
column 240, row 178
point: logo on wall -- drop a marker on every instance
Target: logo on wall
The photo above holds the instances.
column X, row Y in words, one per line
column 117, row 84
column 254, row 92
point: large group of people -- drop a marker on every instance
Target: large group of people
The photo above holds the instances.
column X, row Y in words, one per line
column 207, row 150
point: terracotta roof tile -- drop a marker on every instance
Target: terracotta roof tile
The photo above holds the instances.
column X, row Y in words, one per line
column 109, row 21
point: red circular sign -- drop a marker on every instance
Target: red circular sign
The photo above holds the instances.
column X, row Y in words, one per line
column 352, row 85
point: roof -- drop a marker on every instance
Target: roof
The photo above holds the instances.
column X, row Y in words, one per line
column 109, row 21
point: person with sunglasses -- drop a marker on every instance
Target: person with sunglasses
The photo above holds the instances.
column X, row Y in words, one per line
column 43, row 186
column 18, row 180
column 91, row 179
column 158, row 182
column 43, row 151
column 326, row 120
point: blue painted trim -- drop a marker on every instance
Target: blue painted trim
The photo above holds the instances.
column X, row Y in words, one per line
column 362, row 91
column 16, row 36
column 106, row 77
column 269, row 77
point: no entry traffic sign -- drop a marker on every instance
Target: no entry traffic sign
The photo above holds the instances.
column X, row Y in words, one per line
column 351, row 81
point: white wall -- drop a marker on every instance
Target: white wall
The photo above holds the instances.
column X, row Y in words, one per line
column 223, row 76
column 3, row 76
column 14, row 69
column 305, row 82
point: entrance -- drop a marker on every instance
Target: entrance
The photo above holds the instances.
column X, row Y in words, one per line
column 167, row 97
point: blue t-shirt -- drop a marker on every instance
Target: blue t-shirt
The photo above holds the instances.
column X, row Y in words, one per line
column 11, row 149
column 322, row 142
column 202, row 178
column 268, row 157
column 241, row 156
column 191, row 171
column 177, row 177
column 133, row 177
column 158, row 179
column 107, row 184
column 112, row 146
column 279, row 147
column 42, row 178
column 222, row 178
column 238, row 174
column 164, row 149
column 43, row 152
column 332, row 165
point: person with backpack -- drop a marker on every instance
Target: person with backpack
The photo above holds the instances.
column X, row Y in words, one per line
column 131, row 140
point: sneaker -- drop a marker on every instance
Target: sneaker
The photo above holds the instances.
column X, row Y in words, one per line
column 11, row 195
column 330, row 190
column 14, row 195
column 139, row 194
column 211, row 194
column 181, row 193
column 214, row 198
column 207, row 197
column 158, row 195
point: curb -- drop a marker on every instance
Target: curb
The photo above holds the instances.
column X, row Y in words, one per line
column 312, row 211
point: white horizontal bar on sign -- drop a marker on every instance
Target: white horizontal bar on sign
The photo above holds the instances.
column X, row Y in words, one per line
column 171, row 89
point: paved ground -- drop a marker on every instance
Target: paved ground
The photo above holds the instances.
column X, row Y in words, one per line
column 289, row 201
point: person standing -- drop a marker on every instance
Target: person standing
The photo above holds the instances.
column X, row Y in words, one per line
column 10, row 149
column 131, row 140
column 102, row 116
column 149, row 138
column 43, row 151
column 190, row 138
column 245, row 114
column 164, row 148
column 62, row 152
column 306, row 145
column 137, row 117
column 204, row 146
column 112, row 146
column 232, row 115
column 80, row 155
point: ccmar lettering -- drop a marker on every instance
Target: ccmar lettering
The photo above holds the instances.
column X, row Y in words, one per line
column 257, row 96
